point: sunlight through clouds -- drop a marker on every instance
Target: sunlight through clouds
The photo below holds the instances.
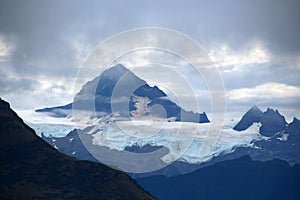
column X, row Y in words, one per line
column 6, row 49
column 224, row 56
column 264, row 91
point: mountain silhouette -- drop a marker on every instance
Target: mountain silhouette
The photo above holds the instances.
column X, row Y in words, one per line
column 118, row 86
column 271, row 121
column 239, row 178
column 32, row 169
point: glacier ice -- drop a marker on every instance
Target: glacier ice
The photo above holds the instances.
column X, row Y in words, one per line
column 184, row 140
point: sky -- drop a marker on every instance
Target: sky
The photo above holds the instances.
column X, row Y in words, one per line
column 254, row 44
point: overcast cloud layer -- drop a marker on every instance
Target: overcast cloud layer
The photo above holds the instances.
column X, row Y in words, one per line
column 255, row 45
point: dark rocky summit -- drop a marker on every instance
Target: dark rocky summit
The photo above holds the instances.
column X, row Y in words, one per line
column 116, row 86
column 271, row 121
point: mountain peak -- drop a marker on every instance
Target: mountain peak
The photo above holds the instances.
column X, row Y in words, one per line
column 270, row 110
column 119, row 81
column 254, row 107
column 251, row 116
column 118, row 68
column 115, row 72
column 272, row 121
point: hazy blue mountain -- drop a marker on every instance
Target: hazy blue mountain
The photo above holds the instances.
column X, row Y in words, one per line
column 128, row 83
column 240, row 178
column 70, row 145
column 272, row 121
column 31, row 169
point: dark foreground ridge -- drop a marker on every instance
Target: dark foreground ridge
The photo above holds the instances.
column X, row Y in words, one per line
column 31, row 169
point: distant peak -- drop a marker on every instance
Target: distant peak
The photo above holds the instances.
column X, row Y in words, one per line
column 115, row 71
column 118, row 67
column 271, row 110
column 254, row 107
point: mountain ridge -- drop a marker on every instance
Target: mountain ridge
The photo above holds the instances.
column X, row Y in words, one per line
column 240, row 178
column 271, row 121
column 32, row 169
column 283, row 145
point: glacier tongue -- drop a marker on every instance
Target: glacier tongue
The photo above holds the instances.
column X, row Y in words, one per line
column 185, row 146
column 113, row 137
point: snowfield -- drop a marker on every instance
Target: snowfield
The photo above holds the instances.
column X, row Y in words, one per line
column 184, row 138
column 185, row 141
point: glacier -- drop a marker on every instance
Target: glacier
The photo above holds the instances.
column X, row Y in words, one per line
column 121, row 134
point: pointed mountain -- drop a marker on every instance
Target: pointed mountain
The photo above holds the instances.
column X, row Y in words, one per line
column 32, row 169
column 272, row 121
column 251, row 116
column 117, row 85
column 254, row 107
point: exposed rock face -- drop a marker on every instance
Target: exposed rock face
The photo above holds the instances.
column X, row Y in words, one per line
column 272, row 121
column 251, row 116
column 31, row 169
column 115, row 85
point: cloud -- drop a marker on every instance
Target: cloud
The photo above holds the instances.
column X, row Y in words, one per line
column 17, row 86
column 6, row 48
column 285, row 98
column 30, row 94
column 228, row 60
column 43, row 43
column 265, row 91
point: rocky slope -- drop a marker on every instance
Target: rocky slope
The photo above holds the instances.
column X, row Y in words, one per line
column 271, row 121
column 32, row 169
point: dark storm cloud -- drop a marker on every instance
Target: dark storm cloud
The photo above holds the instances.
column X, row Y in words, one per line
column 251, row 75
column 44, row 30
column 275, row 23
column 16, row 85
column 51, row 38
